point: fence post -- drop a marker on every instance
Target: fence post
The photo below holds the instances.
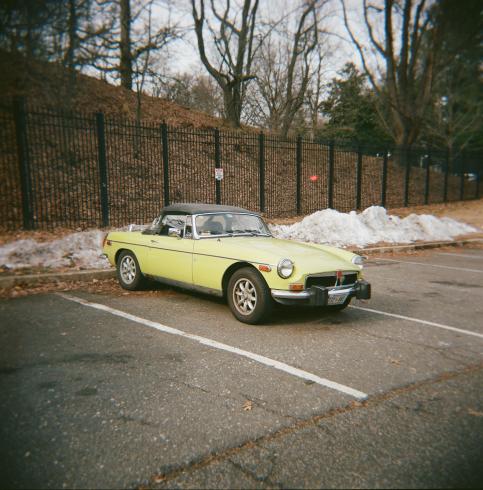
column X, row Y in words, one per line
column 462, row 176
column 359, row 179
column 23, row 161
column 261, row 170
column 164, row 142
column 477, row 189
column 101, row 147
column 299, row 174
column 217, row 165
column 406, row 177
column 330, row 177
column 446, row 173
column 384, row 180
column 426, row 180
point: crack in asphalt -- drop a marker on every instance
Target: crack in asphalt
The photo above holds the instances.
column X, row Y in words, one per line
column 262, row 404
column 258, row 479
column 443, row 352
column 203, row 461
column 258, row 402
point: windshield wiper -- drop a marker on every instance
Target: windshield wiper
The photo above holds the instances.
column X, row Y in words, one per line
column 250, row 232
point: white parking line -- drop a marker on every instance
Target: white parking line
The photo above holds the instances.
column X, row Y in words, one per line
column 417, row 320
column 281, row 366
column 430, row 265
column 469, row 256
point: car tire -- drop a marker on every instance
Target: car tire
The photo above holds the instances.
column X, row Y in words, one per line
column 248, row 296
column 128, row 271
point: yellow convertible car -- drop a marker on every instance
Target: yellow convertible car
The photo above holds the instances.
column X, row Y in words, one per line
column 230, row 252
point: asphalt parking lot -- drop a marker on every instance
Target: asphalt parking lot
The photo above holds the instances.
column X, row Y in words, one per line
column 168, row 390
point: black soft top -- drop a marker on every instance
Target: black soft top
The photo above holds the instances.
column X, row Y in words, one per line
column 198, row 208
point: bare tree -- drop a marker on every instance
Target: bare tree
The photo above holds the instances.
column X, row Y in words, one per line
column 313, row 98
column 136, row 49
column 193, row 90
column 285, row 66
column 126, row 55
column 234, row 42
column 408, row 48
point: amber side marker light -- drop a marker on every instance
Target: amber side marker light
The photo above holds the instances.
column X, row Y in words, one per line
column 264, row 268
column 296, row 287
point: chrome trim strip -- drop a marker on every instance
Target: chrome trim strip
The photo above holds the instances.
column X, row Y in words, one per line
column 336, row 292
column 306, row 294
column 185, row 285
column 331, row 273
column 279, row 293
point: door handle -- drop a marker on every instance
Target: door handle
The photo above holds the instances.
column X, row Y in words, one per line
column 154, row 241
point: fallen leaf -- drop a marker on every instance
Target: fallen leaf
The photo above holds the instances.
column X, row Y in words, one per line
column 395, row 361
column 248, row 405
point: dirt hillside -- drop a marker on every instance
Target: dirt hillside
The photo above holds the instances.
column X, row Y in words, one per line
column 46, row 84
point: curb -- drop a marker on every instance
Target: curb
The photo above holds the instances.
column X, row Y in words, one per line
column 415, row 246
column 34, row 279
column 100, row 274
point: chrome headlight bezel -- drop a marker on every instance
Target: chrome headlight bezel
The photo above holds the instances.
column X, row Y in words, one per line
column 285, row 268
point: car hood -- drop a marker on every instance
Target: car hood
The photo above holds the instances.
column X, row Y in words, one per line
column 306, row 257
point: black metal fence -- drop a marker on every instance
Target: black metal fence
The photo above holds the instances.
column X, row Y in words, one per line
column 81, row 171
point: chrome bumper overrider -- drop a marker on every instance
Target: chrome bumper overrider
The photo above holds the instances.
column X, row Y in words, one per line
column 318, row 295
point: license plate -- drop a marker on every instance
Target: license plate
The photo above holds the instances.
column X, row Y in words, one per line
column 337, row 299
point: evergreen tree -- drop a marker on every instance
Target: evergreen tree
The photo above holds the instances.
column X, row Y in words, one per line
column 350, row 110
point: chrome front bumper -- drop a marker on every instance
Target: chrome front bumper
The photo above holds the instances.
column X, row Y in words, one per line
column 319, row 296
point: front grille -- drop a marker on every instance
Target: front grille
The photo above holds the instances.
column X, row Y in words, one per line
column 329, row 281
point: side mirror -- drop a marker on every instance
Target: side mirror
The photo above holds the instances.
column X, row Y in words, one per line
column 174, row 232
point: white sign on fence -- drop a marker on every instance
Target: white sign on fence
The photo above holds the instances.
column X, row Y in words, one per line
column 218, row 174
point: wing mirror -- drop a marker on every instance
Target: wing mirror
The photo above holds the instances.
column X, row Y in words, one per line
column 174, row 232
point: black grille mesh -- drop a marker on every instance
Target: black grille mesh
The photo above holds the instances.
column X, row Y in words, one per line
column 329, row 281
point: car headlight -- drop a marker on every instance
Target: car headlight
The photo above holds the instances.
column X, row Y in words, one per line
column 285, row 268
column 358, row 260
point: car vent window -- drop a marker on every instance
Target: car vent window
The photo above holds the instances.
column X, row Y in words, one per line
column 172, row 221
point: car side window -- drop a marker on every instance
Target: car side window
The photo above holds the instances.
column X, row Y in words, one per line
column 172, row 221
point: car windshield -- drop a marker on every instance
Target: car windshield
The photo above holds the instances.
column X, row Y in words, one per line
column 230, row 224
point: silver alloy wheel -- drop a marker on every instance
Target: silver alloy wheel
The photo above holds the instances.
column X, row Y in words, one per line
column 127, row 269
column 244, row 296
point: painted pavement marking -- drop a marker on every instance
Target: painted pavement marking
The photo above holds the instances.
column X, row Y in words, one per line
column 430, row 265
column 417, row 320
column 281, row 366
column 469, row 256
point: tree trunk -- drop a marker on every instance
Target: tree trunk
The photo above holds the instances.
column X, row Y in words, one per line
column 71, row 52
column 72, row 27
column 125, row 66
column 232, row 103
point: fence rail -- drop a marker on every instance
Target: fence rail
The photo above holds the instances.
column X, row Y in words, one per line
column 76, row 170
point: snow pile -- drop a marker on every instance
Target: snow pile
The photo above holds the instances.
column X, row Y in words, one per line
column 373, row 225
column 81, row 250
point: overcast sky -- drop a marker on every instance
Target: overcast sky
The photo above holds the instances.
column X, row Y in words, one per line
column 183, row 55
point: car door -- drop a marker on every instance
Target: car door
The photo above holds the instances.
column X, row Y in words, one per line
column 171, row 257
column 209, row 253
